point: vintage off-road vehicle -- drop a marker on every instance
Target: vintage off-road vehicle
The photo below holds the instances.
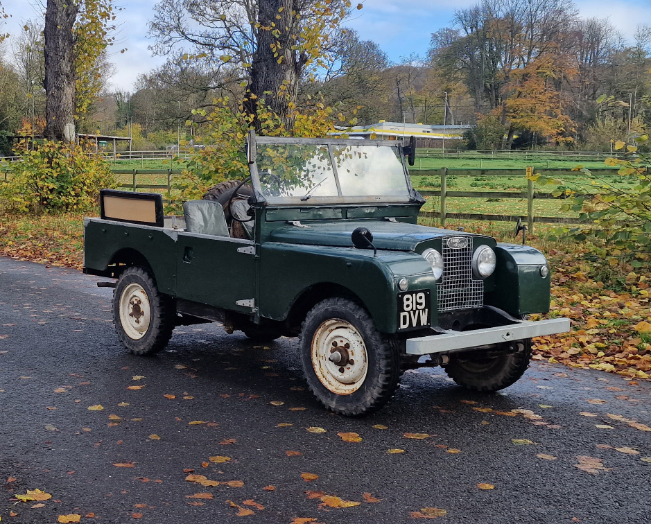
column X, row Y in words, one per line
column 331, row 253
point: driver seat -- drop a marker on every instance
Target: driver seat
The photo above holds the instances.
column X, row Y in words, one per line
column 205, row 217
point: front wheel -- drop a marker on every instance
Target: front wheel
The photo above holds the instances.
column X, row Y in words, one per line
column 143, row 317
column 348, row 365
column 490, row 374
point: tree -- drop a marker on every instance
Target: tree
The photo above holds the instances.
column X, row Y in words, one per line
column 60, row 73
column 76, row 36
column 268, row 45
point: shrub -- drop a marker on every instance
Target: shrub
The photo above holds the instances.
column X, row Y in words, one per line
column 56, row 177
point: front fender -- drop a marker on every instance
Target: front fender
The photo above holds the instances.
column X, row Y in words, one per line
column 287, row 270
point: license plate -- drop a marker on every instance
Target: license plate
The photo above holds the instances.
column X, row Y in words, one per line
column 414, row 311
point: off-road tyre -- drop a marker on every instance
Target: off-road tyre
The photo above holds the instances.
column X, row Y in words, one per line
column 383, row 369
column 486, row 375
column 162, row 313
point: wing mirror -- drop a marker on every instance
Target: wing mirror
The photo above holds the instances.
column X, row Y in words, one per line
column 362, row 238
column 410, row 151
column 520, row 227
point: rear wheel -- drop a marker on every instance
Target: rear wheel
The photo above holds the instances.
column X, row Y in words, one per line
column 490, row 374
column 349, row 366
column 143, row 317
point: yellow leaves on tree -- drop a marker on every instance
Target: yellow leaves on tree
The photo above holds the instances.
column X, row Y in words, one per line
column 534, row 103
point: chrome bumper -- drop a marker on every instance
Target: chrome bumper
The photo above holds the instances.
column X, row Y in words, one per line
column 451, row 341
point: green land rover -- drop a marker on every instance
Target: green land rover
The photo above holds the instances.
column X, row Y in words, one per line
column 322, row 242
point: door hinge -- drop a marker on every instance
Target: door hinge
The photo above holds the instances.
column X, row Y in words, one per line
column 248, row 250
column 250, row 302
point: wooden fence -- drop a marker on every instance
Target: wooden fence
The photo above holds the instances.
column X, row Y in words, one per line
column 530, row 194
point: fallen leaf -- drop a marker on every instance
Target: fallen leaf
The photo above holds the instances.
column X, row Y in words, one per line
column 417, row 436
column 330, row 501
column 135, row 388
column 303, row 520
column 590, row 464
column 370, row 498
column 522, row 441
column 195, row 478
column 171, row 397
column 243, row 512
column 140, row 506
column 428, row 513
column 297, row 409
column 276, row 403
column 34, row 495
column 154, row 437
column 234, row 483
column 284, row 425
column 395, row 451
column 453, row 450
column 253, row 503
column 587, row 414
column 123, row 404
column 50, row 427
column 136, row 515
column 90, row 515
column 314, row 494
column 316, row 430
column 125, row 465
column 546, row 457
column 67, row 519
column 207, row 496
column 596, row 401
column 138, row 377
column 604, row 426
column 209, row 483
column 646, row 459
column 485, row 486
column 628, row 451
column 60, row 390
column 309, row 477
column 98, row 407
column 114, row 417
column 219, row 459
column 380, row 426
column 471, row 402
column 196, row 422
column 483, row 410
column 293, row 453
column 228, row 441
column 350, row 437
column 180, row 366
column 269, row 488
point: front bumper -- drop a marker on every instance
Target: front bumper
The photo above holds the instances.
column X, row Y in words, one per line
column 450, row 341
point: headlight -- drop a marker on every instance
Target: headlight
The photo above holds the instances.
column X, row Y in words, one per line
column 435, row 260
column 483, row 262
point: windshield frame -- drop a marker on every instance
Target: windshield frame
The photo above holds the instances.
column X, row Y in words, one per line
column 253, row 141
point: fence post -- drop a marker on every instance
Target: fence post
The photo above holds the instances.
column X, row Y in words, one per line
column 169, row 184
column 444, row 193
column 530, row 193
column 135, row 186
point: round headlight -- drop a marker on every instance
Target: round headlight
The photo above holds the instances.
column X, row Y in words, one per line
column 435, row 260
column 483, row 262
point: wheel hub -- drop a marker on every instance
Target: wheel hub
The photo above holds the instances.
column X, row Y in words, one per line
column 339, row 356
column 135, row 311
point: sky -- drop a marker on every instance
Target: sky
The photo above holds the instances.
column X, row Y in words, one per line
column 400, row 27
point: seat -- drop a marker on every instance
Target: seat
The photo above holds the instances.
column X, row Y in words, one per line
column 239, row 209
column 205, row 217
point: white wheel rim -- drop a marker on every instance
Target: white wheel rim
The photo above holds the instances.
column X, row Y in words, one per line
column 338, row 337
column 135, row 311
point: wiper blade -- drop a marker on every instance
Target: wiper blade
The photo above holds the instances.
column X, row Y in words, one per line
column 307, row 195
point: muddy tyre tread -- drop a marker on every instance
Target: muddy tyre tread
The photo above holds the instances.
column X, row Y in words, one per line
column 512, row 369
column 385, row 373
column 162, row 320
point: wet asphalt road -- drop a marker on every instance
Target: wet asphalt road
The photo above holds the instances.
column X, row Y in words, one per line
column 59, row 356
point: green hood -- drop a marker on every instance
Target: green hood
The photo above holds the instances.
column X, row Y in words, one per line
column 397, row 236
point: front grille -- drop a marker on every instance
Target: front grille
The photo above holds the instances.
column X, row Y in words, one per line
column 457, row 289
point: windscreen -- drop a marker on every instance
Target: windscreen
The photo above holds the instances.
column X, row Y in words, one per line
column 306, row 171
column 293, row 170
column 370, row 171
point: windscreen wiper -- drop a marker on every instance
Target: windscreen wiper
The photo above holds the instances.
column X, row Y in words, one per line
column 307, row 195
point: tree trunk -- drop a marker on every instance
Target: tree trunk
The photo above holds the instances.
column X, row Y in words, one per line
column 276, row 82
column 60, row 76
